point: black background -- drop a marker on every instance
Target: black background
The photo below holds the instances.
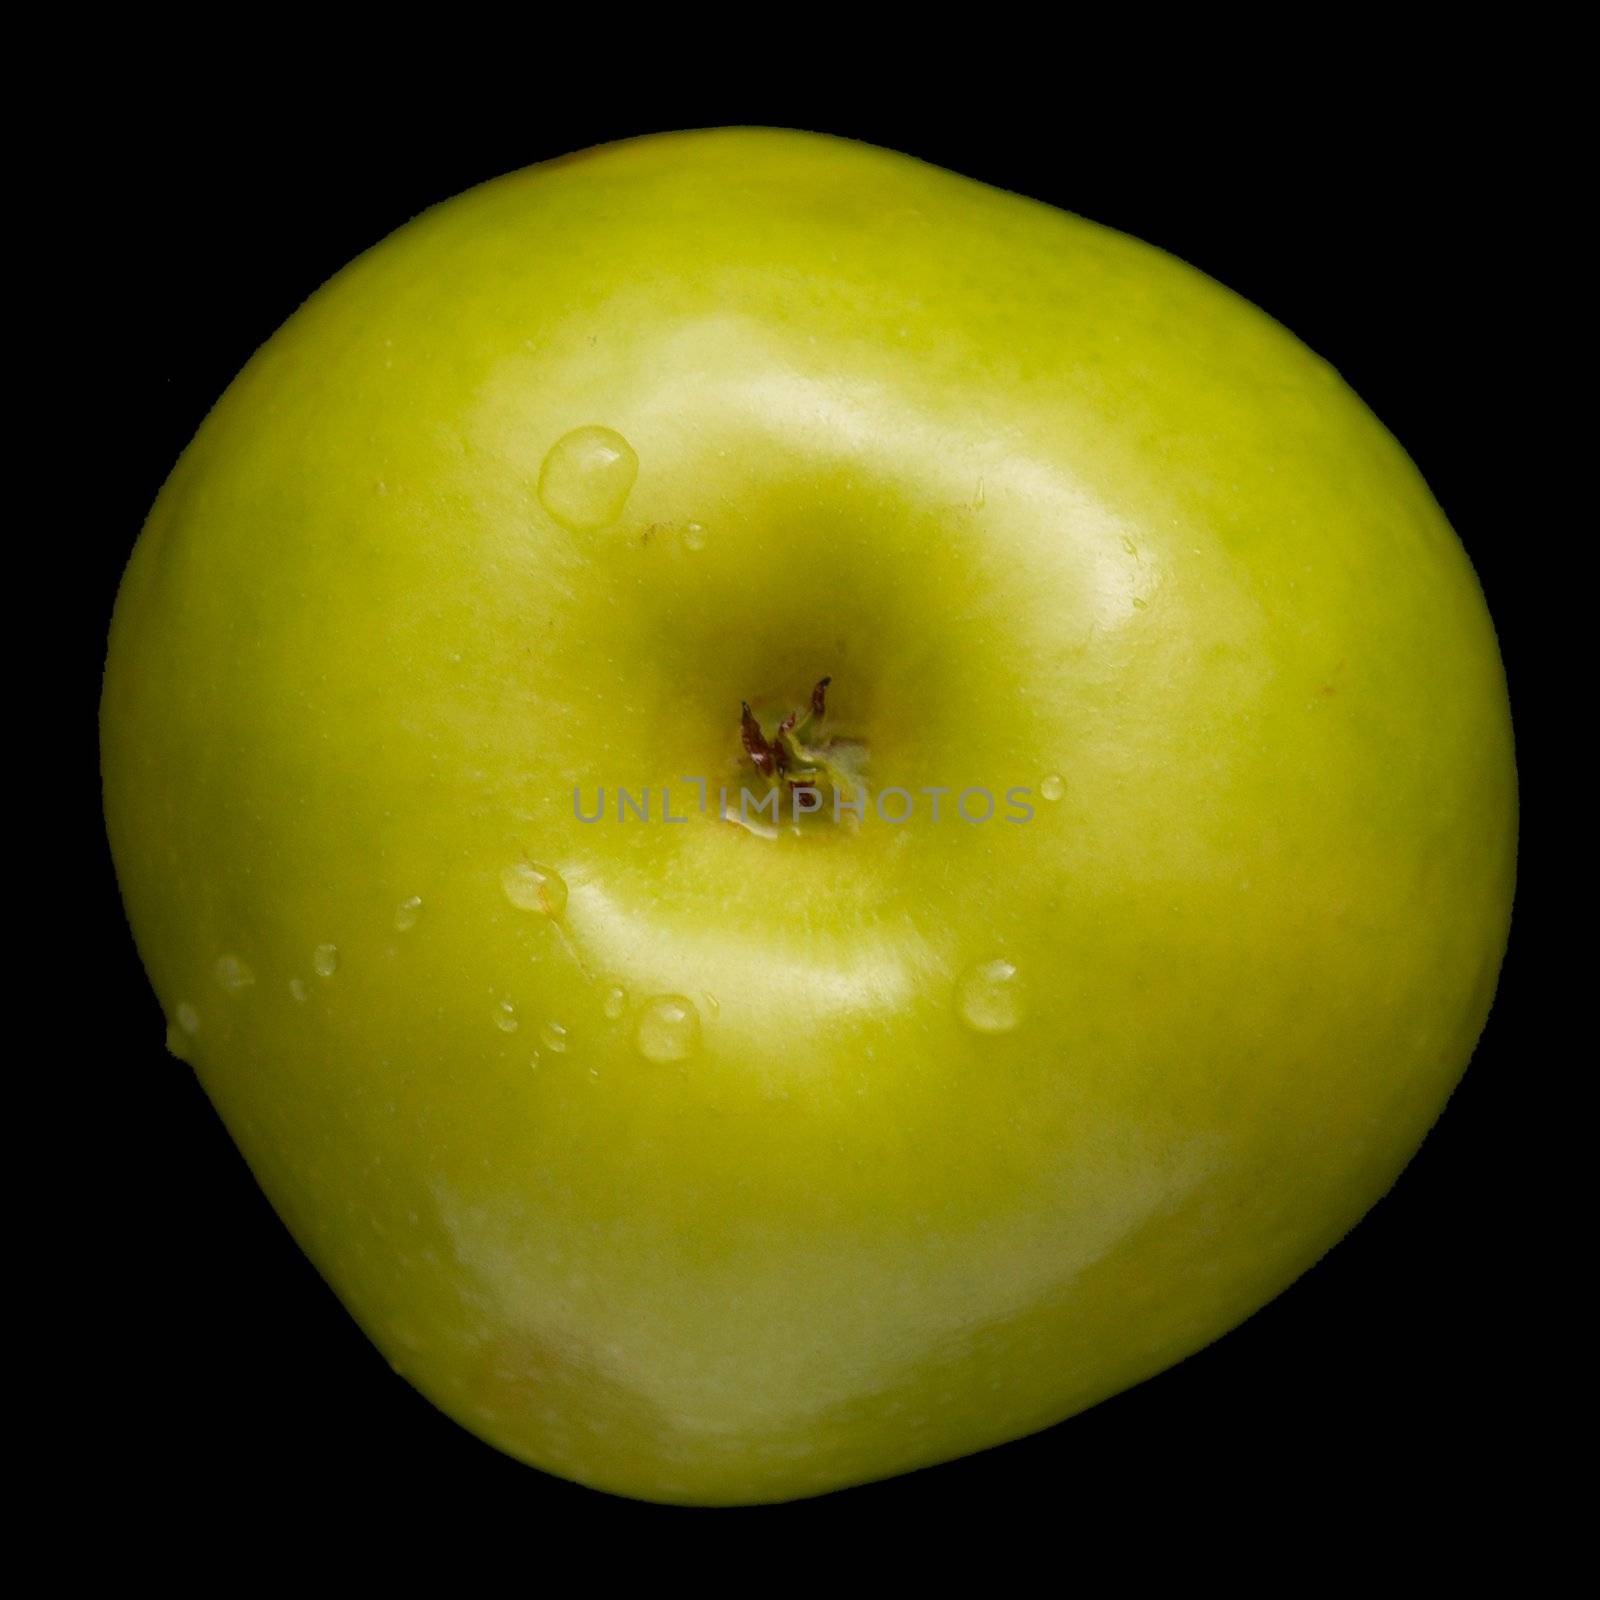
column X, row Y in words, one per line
column 1384, row 237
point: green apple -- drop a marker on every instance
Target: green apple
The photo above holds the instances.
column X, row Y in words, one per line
column 733, row 1159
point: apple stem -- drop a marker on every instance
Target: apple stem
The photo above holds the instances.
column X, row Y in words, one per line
column 755, row 743
column 794, row 755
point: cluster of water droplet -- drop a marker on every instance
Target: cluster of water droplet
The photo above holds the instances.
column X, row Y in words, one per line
column 586, row 478
column 667, row 1028
column 990, row 996
column 584, row 484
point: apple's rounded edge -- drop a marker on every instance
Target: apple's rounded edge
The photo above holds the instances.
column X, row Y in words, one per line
column 121, row 679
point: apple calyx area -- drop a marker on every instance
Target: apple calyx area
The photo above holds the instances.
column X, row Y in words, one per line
column 800, row 755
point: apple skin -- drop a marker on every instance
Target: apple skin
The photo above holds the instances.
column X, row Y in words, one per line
column 1041, row 500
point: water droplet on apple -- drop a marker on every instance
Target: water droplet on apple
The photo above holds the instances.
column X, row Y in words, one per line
column 533, row 888
column 989, row 997
column 554, row 1037
column 325, row 960
column 1053, row 786
column 615, row 1002
column 177, row 1041
column 188, row 1018
column 234, row 974
column 694, row 536
column 407, row 912
column 669, row 1028
column 297, row 988
column 586, row 477
column 505, row 1017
